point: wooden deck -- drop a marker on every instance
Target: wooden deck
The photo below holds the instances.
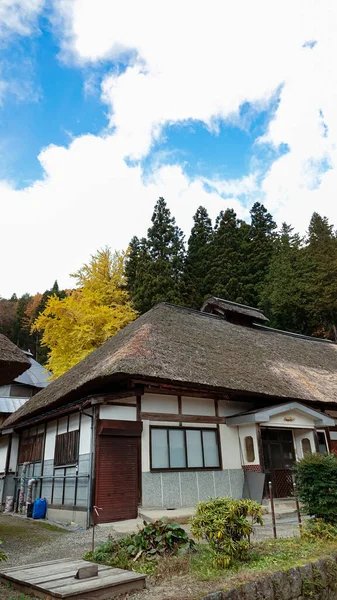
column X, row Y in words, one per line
column 56, row 579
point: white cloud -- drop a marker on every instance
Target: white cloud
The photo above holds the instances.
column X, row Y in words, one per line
column 197, row 61
column 18, row 16
column 89, row 197
column 184, row 60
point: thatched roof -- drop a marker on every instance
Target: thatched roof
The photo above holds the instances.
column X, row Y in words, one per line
column 13, row 361
column 226, row 308
column 179, row 345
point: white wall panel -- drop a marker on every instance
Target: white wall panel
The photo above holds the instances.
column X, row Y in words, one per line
column 118, row 413
column 160, row 403
column 74, row 421
column 49, row 449
column 146, row 447
column 198, row 406
column 245, row 431
column 85, row 435
column 13, row 461
column 230, row 447
column 3, row 452
column 299, row 435
column 63, row 424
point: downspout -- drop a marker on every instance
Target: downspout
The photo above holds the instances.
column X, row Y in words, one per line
column 91, row 463
column 30, row 491
column 22, row 486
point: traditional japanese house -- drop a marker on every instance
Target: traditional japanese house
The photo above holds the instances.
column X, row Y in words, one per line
column 178, row 406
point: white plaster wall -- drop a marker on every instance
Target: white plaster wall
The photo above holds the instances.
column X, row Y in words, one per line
column 3, row 452
column 300, row 420
column 198, row 406
column 74, row 421
column 118, row 413
column 227, row 408
column 249, row 430
column 13, row 461
column 49, row 448
column 63, row 424
column 85, row 435
column 299, row 434
column 159, row 403
column 146, row 447
column 230, row 447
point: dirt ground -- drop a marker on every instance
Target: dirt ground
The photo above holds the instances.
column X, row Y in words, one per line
column 26, row 541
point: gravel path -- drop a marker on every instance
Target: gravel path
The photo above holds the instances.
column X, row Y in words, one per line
column 26, row 541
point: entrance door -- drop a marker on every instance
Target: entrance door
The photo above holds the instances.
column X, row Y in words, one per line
column 279, row 459
column 117, row 477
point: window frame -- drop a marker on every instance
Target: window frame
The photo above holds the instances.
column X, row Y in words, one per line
column 35, row 440
column 67, row 464
column 167, row 428
column 247, row 450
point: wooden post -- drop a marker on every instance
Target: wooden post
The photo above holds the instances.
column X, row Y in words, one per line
column 272, row 508
column 298, row 510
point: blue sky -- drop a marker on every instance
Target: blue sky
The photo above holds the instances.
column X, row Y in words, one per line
column 102, row 113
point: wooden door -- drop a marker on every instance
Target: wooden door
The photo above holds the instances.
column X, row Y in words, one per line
column 117, row 478
column 279, row 459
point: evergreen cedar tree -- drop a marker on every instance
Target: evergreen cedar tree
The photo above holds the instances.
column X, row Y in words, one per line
column 292, row 279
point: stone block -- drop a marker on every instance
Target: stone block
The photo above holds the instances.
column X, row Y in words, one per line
column 206, row 485
column 247, row 591
column 171, row 490
column 152, row 490
column 231, row 595
column 236, row 482
column 295, row 581
column 189, row 489
column 222, row 487
column 281, row 585
column 265, row 589
column 214, row 596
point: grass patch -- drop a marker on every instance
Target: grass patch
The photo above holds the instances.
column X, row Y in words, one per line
column 265, row 557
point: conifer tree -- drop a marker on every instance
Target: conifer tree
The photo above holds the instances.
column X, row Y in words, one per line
column 198, row 259
column 227, row 260
column 155, row 264
column 283, row 297
column 321, row 283
column 261, row 244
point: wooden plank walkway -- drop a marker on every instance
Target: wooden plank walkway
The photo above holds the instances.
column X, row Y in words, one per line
column 56, row 579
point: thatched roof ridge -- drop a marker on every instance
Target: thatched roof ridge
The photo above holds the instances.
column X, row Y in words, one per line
column 180, row 345
column 226, row 307
column 13, row 361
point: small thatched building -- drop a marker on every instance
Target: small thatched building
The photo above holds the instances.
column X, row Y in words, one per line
column 178, row 406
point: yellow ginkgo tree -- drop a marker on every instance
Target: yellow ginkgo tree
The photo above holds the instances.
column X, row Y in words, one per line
column 95, row 310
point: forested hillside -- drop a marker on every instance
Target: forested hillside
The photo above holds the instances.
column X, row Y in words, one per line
column 293, row 279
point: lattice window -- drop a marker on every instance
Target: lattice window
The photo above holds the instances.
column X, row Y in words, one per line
column 66, row 448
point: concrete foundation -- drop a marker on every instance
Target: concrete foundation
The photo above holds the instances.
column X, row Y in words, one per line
column 67, row 516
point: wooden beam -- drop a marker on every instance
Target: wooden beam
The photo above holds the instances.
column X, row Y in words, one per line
column 176, row 418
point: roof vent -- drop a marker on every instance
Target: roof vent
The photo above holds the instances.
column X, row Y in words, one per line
column 239, row 314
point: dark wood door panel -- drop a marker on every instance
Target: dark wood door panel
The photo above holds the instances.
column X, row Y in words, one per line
column 117, row 478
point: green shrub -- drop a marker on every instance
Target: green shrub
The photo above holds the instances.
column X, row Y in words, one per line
column 154, row 540
column 224, row 524
column 158, row 538
column 317, row 529
column 316, row 482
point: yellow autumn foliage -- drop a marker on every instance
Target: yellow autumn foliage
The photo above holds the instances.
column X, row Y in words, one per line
column 89, row 315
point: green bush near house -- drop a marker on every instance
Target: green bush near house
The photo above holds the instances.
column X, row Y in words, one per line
column 154, row 540
column 227, row 525
column 316, row 483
